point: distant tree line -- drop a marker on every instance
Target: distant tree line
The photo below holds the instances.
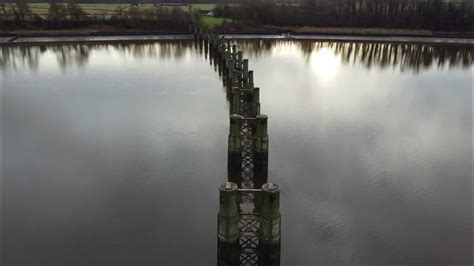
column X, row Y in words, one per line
column 71, row 15
column 440, row 15
column 130, row 1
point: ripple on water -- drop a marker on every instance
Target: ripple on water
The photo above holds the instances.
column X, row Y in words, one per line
column 384, row 179
column 330, row 222
column 411, row 187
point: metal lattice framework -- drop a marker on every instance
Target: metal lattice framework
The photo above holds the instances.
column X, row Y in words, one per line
column 249, row 221
column 244, row 100
column 249, row 224
column 248, row 157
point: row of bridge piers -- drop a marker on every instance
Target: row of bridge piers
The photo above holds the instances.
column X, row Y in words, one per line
column 249, row 221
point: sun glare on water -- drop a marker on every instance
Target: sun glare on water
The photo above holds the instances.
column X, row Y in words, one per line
column 325, row 63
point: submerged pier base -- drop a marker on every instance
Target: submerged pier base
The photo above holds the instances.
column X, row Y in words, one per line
column 270, row 226
column 228, row 225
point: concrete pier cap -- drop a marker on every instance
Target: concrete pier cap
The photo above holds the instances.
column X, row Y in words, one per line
column 271, row 187
column 235, row 118
column 262, row 125
column 228, row 186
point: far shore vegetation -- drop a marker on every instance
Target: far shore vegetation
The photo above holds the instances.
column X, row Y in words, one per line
column 435, row 15
column 305, row 16
column 64, row 16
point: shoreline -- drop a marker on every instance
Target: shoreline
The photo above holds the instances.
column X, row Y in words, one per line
column 45, row 37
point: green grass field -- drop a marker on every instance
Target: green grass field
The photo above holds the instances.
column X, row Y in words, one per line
column 108, row 9
column 212, row 21
column 203, row 6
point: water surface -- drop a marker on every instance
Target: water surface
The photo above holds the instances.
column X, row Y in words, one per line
column 113, row 153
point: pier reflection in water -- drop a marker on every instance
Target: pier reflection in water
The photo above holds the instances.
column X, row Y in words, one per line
column 371, row 144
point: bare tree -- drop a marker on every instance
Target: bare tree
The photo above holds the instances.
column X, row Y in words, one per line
column 22, row 11
column 76, row 12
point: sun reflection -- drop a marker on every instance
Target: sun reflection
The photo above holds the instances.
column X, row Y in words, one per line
column 325, row 63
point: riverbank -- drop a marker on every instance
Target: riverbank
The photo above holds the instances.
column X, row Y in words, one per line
column 167, row 37
column 89, row 31
column 343, row 31
column 241, row 30
column 268, row 32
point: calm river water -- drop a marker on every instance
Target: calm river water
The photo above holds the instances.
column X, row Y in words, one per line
column 112, row 154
